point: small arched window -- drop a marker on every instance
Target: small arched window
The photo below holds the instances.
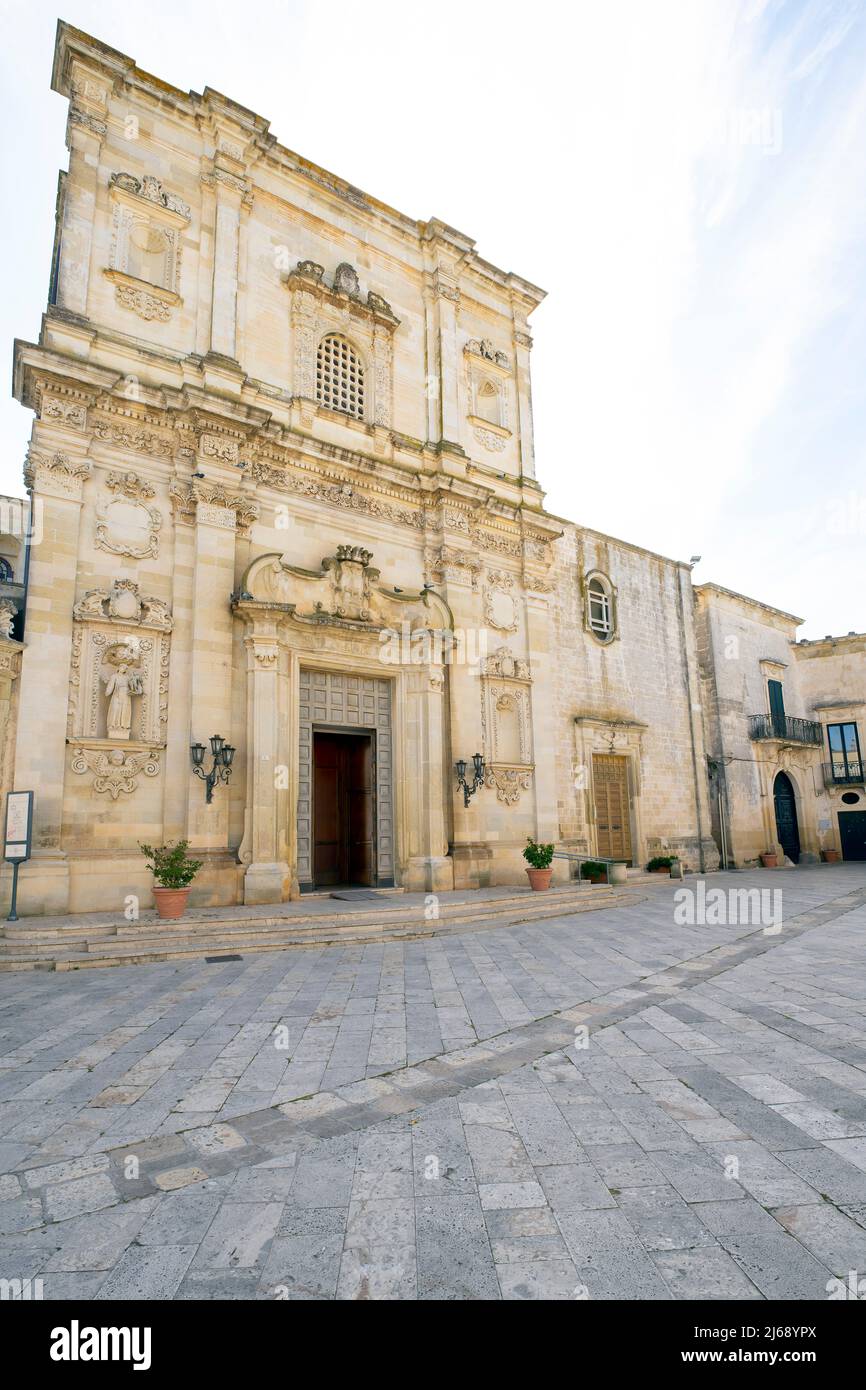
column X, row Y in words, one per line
column 599, row 606
column 6, row 571
column 339, row 376
column 487, row 403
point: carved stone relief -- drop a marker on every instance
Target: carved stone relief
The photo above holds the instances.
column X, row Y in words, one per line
column 71, row 413
column 346, row 280
column 148, row 306
column 151, row 189
column 120, row 666
column 134, row 436
column 126, row 523
column 212, row 504
column 56, row 473
column 482, row 347
column 506, row 725
column 500, row 602
column 504, row 664
column 488, row 440
column 508, row 782
column 352, row 577
column 343, row 593
column 115, row 771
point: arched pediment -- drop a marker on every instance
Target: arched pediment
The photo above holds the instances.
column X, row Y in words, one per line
column 344, row 590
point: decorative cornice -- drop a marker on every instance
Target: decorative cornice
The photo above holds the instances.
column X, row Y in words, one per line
column 482, row 347
column 150, row 190
column 133, row 436
column 345, row 292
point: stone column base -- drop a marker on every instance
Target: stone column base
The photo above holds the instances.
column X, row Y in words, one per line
column 472, row 865
column 429, row 874
column 269, row 883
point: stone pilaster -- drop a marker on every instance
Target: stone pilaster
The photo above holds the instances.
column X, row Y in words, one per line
column 427, row 867
column 269, row 848
column 85, row 131
column 230, row 192
column 211, row 662
column 541, row 647
column 10, row 670
column 57, row 481
column 522, row 345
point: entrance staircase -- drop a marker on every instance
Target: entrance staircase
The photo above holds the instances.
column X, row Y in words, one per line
column 102, row 939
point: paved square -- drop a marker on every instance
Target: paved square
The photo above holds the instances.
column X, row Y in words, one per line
column 605, row 1106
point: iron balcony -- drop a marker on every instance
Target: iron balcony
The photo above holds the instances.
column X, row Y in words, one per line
column 843, row 773
column 784, row 727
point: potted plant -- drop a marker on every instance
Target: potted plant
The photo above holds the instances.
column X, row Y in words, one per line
column 593, row 870
column 769, row 859
column 539, row 858
column 173, row 872
column 660, row 864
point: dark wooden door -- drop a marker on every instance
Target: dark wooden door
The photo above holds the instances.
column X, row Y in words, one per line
column 852, row 834
column 787, row 829
column 343, row 850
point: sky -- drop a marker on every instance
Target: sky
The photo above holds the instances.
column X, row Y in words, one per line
column 685, row 178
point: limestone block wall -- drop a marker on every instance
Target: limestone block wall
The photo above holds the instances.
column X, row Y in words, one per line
column 743, row 645
column 635, row 695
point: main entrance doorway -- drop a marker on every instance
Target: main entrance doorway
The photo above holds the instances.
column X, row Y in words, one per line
column 787, row 829
column 612, row 814
column 343, row 820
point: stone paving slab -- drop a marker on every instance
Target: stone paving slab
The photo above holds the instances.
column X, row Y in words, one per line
column 670, row 1112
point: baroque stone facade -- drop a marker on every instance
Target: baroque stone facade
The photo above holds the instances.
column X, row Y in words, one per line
column 282, row 455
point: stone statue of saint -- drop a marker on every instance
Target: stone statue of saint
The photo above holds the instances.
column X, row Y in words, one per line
column 120, row 686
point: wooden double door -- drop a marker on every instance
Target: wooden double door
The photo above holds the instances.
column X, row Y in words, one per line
column 343, row 810
column 612, row 809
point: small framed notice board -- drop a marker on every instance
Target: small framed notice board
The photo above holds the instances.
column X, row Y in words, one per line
column 17, row 837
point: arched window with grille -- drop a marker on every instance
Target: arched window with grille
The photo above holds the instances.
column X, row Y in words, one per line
column 600, row 606
column 339, row 376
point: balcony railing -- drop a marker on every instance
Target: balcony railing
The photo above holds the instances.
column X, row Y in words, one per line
column 843, row 774
column 782, row 726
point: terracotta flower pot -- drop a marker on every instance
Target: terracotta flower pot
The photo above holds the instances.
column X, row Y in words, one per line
column 170, row 902
column 539, row 879
column 770, row 861
column 831, row 856
column 662, row 869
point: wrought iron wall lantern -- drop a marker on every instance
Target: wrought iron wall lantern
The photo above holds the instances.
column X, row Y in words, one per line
column 478, row 764
column 223, row 755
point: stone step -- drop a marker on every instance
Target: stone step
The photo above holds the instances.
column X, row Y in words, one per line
column 54, row 934
column 101, row 953
column 201, row 934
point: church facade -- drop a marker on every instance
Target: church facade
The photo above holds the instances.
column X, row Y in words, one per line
column 286, row 523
